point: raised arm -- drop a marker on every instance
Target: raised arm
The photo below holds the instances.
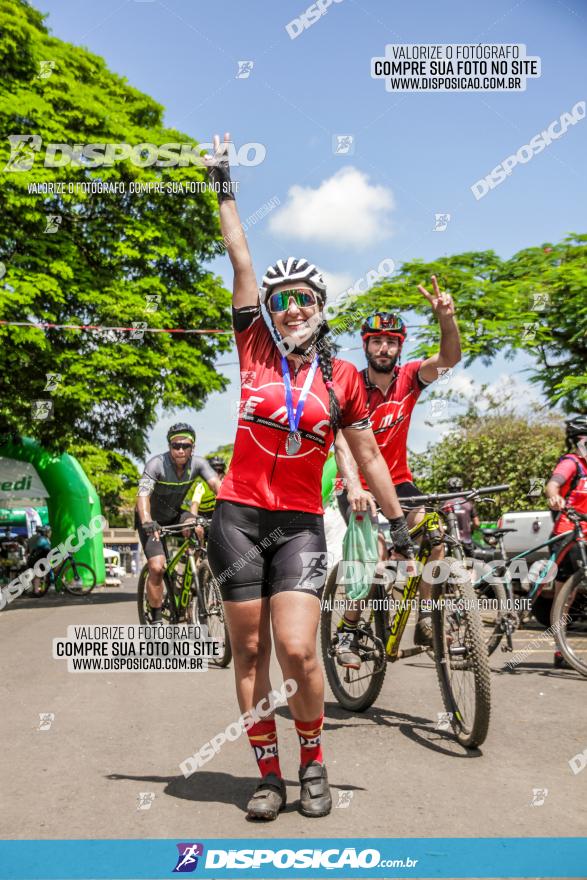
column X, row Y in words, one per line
column 450, row 343
column 245, row 289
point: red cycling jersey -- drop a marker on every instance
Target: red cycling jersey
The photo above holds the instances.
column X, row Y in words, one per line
column 390, row 417
column 261, row 474
column 571, row 469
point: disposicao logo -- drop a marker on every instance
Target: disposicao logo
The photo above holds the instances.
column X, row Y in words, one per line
column 187, row 859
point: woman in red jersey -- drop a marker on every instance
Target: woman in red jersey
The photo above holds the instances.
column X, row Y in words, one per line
column 567, row 487
column 266, row 545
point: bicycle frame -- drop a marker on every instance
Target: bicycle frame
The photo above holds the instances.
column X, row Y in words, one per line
column 59, row 568
column 187, row 549
column 397, row 625
column 573, row 536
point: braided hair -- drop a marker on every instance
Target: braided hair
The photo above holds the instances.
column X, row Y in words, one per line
column 325, row 353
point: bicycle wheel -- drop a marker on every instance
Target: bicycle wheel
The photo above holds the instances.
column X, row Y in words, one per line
column 354, row 689
column 212, row 614
column 144, row 608
column 570, row 610
column 492, row 599
column 461, row 659
column 542, row 610
column 494, row 613
column 71, row 577
column 41, row 589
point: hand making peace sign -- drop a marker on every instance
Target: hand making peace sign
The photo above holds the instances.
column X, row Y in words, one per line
column 441, row 302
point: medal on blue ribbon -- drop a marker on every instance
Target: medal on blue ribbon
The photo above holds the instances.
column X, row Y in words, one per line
column 293, row 441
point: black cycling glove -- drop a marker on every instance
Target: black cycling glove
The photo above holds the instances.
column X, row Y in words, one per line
column 151, row 526
column 400, row 536
column 220, row 175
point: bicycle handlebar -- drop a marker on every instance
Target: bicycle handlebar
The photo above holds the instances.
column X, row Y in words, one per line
column 179, row 527
column 574, row 515
column 419, row 500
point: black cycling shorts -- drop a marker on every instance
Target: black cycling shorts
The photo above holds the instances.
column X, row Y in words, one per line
column 150, row 546
column 256, row 553
column 569, row 564
column 403, row 490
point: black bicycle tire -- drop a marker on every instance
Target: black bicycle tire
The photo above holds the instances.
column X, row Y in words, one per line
column 496, row 634
column 74, row 592
column 356, row 704
column 542, row 609
column 473, row 738
column 559, row 628
column 29, row 593
column 205, row 574
column 141, row 586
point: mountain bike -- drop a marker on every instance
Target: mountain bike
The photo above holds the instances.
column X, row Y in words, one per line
column 496, row 599
column 569, row 610
column 459, row 650
column 69, row 576
column 509, row 618
column 190, row 592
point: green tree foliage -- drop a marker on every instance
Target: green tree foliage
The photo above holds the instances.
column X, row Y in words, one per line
column 113, row 259
column 533, row 302
column 492, row 445
column 115, row 479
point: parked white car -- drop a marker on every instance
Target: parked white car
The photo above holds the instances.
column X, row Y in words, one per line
column 533, row 527
column 114, row 570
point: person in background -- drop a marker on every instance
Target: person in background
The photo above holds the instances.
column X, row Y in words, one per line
column 466, row 513
column 38, row 547
column 566, row 487
column 393, row 389
column 166, row 480
column 203, row 498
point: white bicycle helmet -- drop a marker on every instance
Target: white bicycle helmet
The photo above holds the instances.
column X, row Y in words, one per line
column 292, row 270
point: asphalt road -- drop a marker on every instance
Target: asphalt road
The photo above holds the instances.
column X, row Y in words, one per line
column 107, row 766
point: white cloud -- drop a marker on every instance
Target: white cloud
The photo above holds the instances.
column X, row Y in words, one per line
column 461, row 383
column 336, row 282
column 504, row 385
column 344, row 210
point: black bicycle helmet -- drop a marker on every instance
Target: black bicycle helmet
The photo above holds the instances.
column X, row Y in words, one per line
column 218, row 464
column 181, row 429
column 576, row 427
column 455, row 484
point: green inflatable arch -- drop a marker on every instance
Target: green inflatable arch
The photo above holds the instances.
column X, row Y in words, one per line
column 328, row 478
column 72, row 500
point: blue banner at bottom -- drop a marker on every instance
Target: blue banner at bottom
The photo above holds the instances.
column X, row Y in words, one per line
column 415, row 858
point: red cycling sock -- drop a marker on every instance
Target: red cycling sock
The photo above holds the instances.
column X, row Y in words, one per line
column 263, row 738
column 310, row 733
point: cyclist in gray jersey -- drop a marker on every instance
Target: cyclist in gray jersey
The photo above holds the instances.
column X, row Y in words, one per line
column 163, row 487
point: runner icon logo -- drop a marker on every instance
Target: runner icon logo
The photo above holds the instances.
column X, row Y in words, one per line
column 345, row 797
column 187, row 860
column 539, row 795
column 145, row 799
column 314, row 571
column 46, row 719
column 444, row 720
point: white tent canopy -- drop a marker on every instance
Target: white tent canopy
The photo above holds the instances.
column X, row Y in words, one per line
column 19, row 483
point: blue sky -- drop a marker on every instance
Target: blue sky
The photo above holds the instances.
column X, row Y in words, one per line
column 417, row 153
